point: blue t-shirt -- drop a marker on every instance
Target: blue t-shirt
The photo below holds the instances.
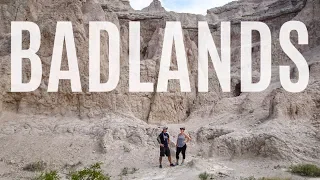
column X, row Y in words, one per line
column 164, row 137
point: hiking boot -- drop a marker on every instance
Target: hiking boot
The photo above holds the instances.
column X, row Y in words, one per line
column 172, row 165
column 160, row 166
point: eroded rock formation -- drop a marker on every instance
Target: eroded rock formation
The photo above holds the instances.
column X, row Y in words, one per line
column 228, row 124
column 150, row 107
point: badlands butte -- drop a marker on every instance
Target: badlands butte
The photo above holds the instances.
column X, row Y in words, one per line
column 233, row 134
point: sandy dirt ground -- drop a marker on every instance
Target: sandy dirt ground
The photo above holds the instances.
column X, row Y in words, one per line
column 65, row 142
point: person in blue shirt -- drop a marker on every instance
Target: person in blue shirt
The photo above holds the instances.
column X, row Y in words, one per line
column 164, row 141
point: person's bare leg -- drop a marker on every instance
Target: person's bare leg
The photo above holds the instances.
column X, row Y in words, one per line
column 169, row 158
column 160, row 160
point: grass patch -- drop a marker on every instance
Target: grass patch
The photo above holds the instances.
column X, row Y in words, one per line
column 93, row 172
column 126, row 171
column 72, row 167
column 205, row 176
column 274, row 178
column 35, row 167
column 52, row 175
column 249, row 178
column 264, row 178
column 306, row 170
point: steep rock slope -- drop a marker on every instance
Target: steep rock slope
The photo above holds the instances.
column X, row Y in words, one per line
column 273, row 123
column 149, row 107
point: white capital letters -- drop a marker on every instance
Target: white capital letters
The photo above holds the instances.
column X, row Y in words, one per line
column 64, row 33
column 94, row 56
column 246, row 56
column 295, row 55
column 17, row 54
column 173, row 34
column 222, row 67
column 134, row 60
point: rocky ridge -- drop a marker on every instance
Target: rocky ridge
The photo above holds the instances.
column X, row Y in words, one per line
column 273, row 124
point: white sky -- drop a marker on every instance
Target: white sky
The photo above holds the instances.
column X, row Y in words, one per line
column 189, row 6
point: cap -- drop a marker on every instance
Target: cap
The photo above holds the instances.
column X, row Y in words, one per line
column 165, row 128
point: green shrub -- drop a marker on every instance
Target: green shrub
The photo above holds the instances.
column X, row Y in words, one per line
column 275, row 178
column 306, row 170
column 52, row 175
column 205, row 176
column 35, row 167
column 93, row 172
column 249, row 178
column 264, row 178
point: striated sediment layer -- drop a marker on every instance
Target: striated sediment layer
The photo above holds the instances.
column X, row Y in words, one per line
column 273, row 124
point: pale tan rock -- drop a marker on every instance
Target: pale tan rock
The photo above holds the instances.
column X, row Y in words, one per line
column 155, row 6
column 271, row 124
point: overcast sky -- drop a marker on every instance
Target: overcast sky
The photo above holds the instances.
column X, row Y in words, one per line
column 190, row 6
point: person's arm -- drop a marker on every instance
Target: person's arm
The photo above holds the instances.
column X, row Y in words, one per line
column 187, row 137
column 177, row 141
column 169, row 140
column 159, row 141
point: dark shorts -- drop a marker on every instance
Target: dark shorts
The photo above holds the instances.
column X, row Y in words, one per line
column 165, row 151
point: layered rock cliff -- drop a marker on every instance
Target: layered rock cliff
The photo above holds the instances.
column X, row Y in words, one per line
column 118, row 127
column 150, row 107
